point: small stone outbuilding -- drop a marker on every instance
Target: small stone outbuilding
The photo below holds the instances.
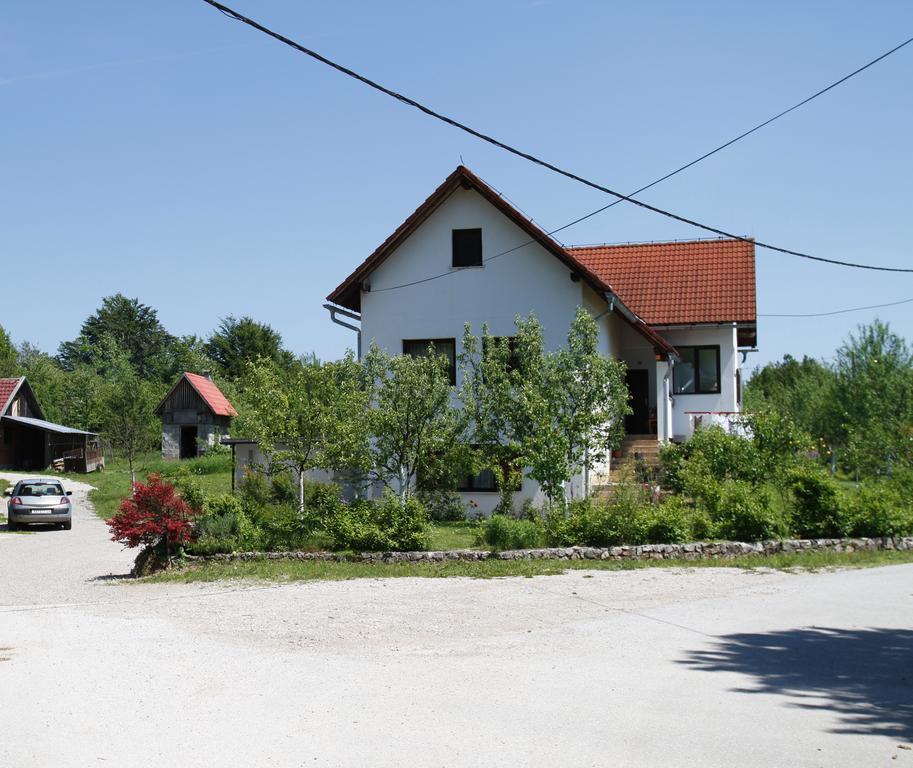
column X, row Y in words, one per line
column 194, row 414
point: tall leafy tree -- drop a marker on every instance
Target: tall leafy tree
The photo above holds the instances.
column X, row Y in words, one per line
column 9, row 364
column 307, row 416
column 133, row 327
column 129, row 422
column 414, row 427
column 805, row 391
column 874, row 392
column 239, row 341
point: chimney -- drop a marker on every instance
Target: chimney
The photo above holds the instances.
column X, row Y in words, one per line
column 208, row 374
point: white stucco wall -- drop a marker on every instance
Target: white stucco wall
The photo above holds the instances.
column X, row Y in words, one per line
column 726, row 400
column 530, row 279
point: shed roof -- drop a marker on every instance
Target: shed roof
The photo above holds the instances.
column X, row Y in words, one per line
column 207, row 390
column 47, row 426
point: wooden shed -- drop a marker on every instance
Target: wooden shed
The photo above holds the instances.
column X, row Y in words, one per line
column 29, row 442
column 194, row 414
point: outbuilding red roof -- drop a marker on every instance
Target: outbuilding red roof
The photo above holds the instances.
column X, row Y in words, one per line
column 679, row 283
column 211, row 395
column 7, row 388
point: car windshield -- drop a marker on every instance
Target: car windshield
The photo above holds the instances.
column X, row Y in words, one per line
column 41, row 489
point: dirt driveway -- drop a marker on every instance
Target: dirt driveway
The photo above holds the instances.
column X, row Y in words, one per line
column 703, row 667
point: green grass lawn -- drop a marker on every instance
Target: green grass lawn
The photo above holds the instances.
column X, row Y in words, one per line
column 457, row 535
column 293, row 570
column 112, row 485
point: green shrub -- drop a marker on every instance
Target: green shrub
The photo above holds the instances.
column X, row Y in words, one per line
column 880, row 509
column 818, row 505
column 743, row 512
column 671, row 522
column 190, row 491
column 285, row 489
column 712, row 452
column 380, row 526
column 255, row 489
column 225, row 527
column 621, row 519
column 443, row 505
column 282, row 528
column 504, row 532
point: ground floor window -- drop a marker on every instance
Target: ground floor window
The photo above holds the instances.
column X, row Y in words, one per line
column 445, row 347
column 698, row 371
column 486, row 481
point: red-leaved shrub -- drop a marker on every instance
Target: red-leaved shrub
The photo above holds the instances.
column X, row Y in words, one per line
column 154, row 517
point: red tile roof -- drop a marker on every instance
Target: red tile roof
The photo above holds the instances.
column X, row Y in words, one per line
column 702, row 281
column 211, row 395
column 7, row 389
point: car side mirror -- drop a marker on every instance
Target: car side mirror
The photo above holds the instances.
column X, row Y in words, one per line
column 8, row 492
column 69, row 493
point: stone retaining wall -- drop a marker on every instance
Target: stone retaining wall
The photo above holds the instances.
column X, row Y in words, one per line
column 696, row 551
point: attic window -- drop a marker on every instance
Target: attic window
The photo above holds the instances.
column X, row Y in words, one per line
column 467, row 248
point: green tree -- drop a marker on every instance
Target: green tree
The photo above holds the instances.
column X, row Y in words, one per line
column 129, row 422
column 307, row 416
column 132, row 327
column 806, row 392
column 238, row 342
column 415, row 429
column 556, row 414
column 9, row 364
column 46, row 378
column 874, row 392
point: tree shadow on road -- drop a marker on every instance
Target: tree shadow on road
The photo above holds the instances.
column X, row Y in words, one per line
column 864, row 676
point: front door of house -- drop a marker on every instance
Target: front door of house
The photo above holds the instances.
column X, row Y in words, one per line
column 638, row 421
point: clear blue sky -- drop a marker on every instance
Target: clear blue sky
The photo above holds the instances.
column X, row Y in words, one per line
column 166, row 152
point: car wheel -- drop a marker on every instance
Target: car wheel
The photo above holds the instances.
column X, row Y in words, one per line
column 67, row 525
column 10, row 525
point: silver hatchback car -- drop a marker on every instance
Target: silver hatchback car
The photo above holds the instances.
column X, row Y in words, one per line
column 39, row 501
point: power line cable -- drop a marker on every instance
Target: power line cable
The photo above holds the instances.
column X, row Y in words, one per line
column 532, row 158
column 841, row 311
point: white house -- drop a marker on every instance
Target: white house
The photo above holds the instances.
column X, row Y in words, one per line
column 677, row 313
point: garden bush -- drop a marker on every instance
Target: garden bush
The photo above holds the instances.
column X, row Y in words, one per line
column 505, row 532
column 155, row 518
column 671, row 522
column 818, row 507
column 743, row 512
column 880, row 509
column 384, row 525
column 443, row 505
column 621, row 519
column 225, row 527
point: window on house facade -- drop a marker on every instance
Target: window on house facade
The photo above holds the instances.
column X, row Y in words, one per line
column 467, row 248
column 484, row 482
column 445, row 347
column 698, row 371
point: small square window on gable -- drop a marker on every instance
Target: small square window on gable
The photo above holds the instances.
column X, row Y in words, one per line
column 467, row 248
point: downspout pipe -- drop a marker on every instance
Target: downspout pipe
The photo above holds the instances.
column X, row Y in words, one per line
column 334, row 311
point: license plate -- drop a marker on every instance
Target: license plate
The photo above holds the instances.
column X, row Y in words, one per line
column 42, row 511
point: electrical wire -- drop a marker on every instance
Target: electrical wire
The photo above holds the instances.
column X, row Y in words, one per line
column 841, row 311
column 532, row 158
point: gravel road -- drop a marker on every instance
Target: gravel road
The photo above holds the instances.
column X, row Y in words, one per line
column 690, row 667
